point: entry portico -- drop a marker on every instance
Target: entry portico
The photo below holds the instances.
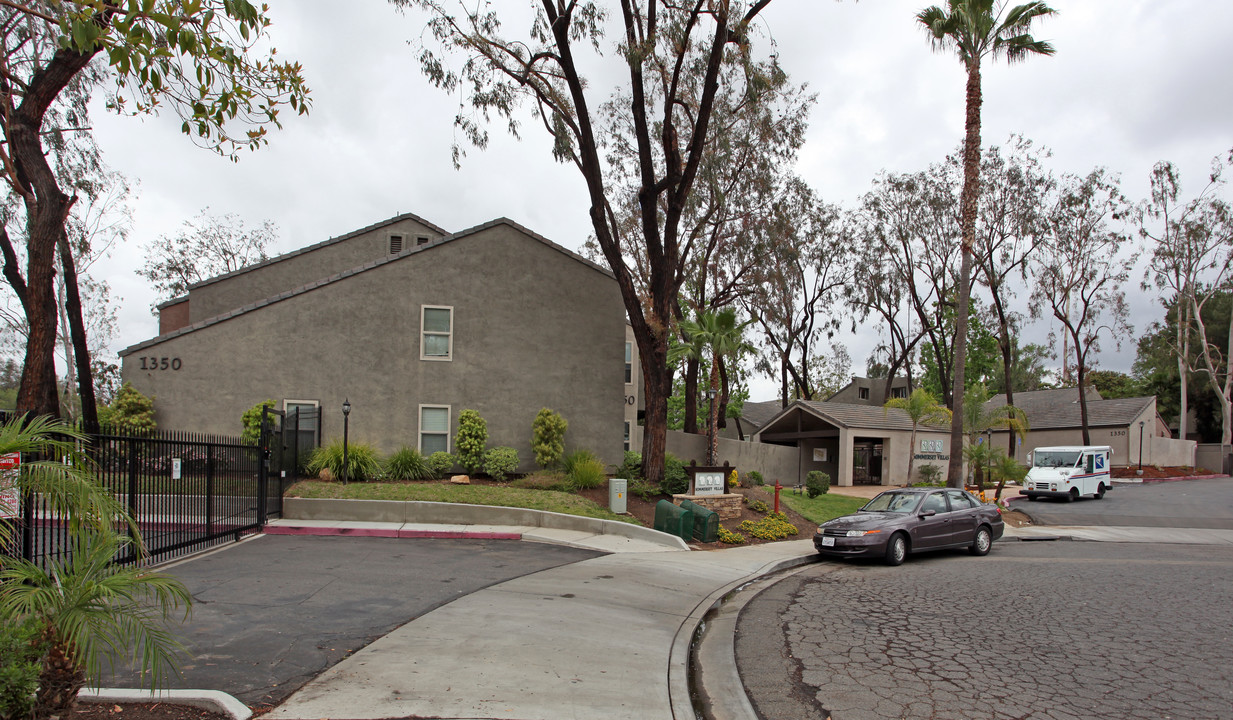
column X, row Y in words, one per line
column 856, row 444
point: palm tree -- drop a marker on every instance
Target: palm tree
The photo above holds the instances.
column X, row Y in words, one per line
column 975, row 29
column 90, row 608
column 979, row 419
column 719, row 332
column 921, row 407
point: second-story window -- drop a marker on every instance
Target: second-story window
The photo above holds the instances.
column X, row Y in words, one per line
column 437, row 333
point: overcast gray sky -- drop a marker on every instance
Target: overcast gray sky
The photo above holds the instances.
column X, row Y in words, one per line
column 1133, row 82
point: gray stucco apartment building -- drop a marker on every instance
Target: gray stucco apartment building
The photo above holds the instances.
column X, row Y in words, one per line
column 409, row 323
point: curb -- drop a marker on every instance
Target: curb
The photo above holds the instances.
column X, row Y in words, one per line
column 683, row 675
column 384, row 533
column 212, row 700
column 412, row 512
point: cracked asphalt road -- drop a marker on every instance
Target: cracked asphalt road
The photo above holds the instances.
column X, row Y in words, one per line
column 1039, row 631
column 273, row 612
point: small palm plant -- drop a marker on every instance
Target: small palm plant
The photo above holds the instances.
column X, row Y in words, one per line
column 91, row 609
column 922, row 408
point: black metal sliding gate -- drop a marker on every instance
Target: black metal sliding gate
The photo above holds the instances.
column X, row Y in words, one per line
column 186, row 492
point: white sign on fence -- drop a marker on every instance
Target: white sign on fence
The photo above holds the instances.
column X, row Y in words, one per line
column 10, row 493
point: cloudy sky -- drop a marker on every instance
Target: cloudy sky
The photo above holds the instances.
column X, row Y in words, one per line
column 1133, row 82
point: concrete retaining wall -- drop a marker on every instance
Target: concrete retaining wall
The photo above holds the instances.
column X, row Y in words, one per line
column 1168, row 452
column 414, row 511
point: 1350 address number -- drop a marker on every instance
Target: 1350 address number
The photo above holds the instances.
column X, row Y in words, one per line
column 155, row 363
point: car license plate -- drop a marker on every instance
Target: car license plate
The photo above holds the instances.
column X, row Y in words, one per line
column 828, row 541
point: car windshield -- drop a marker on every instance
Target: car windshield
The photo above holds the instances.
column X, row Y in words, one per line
column 1054, row 458
column 895, row 502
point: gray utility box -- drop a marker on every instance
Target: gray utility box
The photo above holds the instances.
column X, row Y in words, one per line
column 617, row 488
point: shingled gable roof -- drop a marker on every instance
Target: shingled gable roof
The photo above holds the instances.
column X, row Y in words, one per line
column 307, row 249
column 1059, row 409
column 757, row 413
column 853, row 416
column 407, row 252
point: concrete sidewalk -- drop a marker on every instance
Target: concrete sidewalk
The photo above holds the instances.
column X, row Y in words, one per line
column 1160, row 535
column 604, row 638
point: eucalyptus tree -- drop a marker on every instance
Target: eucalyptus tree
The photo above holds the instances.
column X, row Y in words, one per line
column 658, row 46
column 1191, row 258
column 205, row 246
column 1010, row 225
column 1082, row 268
column 907, row 229
column 974, row 30
column 207, row 60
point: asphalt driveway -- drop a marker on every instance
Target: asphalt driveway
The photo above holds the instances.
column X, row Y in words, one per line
column 273, row 612
column 1206, row 503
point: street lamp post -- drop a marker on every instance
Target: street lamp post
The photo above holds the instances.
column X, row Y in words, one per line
column 1140, row 447
column 346, row 427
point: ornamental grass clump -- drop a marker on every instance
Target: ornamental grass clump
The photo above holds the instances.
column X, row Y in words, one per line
column 408, row 464
column 362, row 461
column 772, row 527
column 584, row 470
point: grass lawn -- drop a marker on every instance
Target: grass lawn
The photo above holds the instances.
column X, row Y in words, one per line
column 824, row 507
column 549, row 500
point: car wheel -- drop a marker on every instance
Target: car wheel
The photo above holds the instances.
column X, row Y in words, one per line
column 1073, row 495
column 1100, row 491
column 896, row 549
column 1032, row 497
column 981, row 542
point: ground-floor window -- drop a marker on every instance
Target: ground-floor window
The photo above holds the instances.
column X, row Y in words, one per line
column 434, row 429
column 627, row 436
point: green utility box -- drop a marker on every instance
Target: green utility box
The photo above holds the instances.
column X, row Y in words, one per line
column 674, row 520
column 706, row 522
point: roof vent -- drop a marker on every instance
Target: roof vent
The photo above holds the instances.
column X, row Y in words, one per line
column 395, row 244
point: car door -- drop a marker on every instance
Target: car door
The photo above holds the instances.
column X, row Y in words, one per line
column 931, row 531
column 963, row 513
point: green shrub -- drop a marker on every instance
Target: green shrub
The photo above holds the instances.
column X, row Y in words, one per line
column 817, row 483
column 631, row 466
column 772, row 527
column 755, row 477
column 930, row 475
column 759, row 507
column 471, row 440
column 362, row 461
column 728, row 537
column 20, row 651
column 676, row 480
column 408, row 464
column 584, row 470
column 250, row 421
column 643, row 489
column 549, row 480
column 131, row 410
column 548, row 437
column 499, row 462
column 440, row 463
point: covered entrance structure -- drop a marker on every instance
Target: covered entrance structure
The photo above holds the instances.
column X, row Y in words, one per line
column 856, row 444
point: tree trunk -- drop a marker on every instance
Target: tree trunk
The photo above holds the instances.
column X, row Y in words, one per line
column 967, row 218
column 712, row 430
column 60, row 679
column 1004, row 342
column 1081, row 375
column 77, row 328
column 722, row 420
column 1183, row 359
column 691, row 395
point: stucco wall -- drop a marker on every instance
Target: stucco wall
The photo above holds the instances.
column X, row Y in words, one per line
column 775, row 462
column 296, row 270
column 532, row 328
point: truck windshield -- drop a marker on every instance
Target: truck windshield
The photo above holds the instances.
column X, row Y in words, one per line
column 1054, row 459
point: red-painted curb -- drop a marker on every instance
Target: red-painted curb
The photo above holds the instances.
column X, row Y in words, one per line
column 388, row 533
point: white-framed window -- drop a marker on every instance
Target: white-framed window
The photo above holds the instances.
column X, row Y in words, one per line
column 629, row 364
column 303, row 415
column 303, row 406
column 862, row 393
column 396, row 242
column 434, row 429
column 436, row 332
column 899, row 392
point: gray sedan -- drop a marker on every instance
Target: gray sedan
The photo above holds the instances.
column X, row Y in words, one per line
column 899, row 522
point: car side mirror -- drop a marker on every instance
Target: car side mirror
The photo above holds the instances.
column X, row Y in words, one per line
column 927, row 513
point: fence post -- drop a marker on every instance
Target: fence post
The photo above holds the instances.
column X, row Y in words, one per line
column 263, row 472
column 210, row 489
column 133, row 460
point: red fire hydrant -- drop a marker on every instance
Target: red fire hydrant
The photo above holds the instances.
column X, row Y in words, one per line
column 778, row 487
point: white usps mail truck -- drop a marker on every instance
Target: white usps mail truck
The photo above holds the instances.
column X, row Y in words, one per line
column 1069, row 472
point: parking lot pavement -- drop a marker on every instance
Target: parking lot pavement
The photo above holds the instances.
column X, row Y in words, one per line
column 273, row 612
column 1206, row 503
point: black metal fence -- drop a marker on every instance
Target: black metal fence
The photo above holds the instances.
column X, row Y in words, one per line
column 186, row 491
